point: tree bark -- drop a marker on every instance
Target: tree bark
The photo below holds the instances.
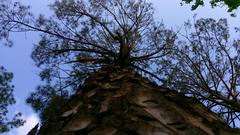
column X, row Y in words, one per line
column 117, row 101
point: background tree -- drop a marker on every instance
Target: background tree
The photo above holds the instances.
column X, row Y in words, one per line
column 6, row 88
column 7, row 99
column 207, row 67
column 231, row 4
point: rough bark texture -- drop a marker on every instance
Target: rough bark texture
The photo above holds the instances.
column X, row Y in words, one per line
column 119, row 102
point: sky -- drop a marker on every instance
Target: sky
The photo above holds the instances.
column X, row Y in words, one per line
column 17, row 58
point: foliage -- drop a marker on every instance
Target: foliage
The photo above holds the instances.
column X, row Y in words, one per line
column 6, row 89
column 231, row 4
column 7, row 99
column 206, row 66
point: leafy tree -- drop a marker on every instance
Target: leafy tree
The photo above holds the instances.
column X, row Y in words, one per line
column 7, row 99
column 206, row 66
column 231, row 4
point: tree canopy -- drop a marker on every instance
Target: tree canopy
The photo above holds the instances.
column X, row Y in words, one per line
column 206, row 66
column 83, row 36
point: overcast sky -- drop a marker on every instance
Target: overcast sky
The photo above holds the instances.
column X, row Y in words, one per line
column 17, row 59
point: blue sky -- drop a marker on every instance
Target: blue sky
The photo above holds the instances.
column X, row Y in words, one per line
column 17, row 59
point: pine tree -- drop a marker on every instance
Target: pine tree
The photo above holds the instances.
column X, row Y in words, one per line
column 94, row 55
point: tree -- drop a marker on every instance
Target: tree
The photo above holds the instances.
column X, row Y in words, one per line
column 84, row 36
column 207, row 67
column 7, row 99
column 231, row 4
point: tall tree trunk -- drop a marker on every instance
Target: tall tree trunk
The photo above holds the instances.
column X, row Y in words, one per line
column 124, row 56
column 117, row 101
column 124, row 51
